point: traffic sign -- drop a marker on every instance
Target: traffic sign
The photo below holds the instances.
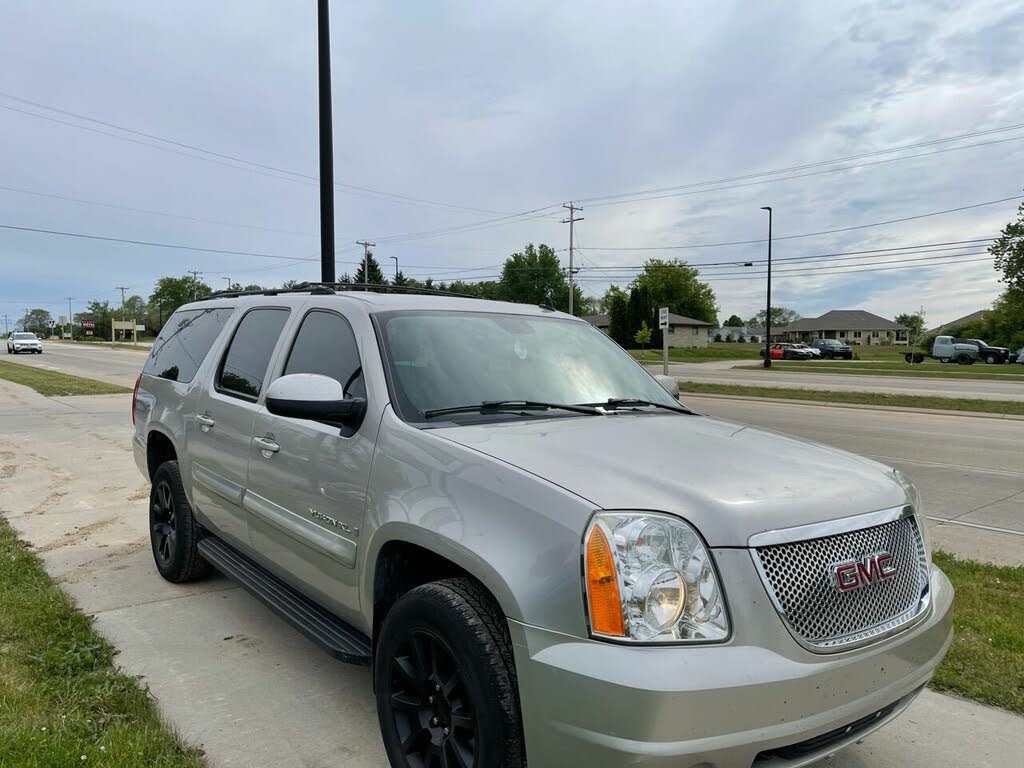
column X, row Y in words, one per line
column 663, row 318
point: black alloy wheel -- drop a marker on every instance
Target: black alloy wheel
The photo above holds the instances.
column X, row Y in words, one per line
column 163, row 524
column 430, row 705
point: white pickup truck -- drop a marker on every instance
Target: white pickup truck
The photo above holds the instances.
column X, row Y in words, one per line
column 946, row 349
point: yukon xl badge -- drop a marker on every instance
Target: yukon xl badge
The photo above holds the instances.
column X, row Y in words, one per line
column 860, row 573
column 351, row 530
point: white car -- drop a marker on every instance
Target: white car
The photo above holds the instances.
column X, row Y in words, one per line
column 815, row 352
column 24, row 342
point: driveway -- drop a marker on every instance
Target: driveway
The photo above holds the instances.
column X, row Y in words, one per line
column 231, row 676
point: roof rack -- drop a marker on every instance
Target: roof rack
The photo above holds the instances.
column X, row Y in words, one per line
column 326, row 289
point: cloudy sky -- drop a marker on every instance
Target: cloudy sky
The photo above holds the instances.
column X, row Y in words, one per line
column 452, row 117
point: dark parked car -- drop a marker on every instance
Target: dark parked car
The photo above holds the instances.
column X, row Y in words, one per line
column 832, row 348
column 991, row 355
column 1017, row 357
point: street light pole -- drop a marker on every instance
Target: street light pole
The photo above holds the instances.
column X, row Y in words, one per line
column 768, row 309
column 326, row 142
column 396, row 268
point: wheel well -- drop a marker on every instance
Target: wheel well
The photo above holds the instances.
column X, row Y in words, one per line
column 400, row 567
column 159, row 449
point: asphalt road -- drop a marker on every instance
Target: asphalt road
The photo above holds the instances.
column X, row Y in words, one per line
column 718, row 373
column 116, row 366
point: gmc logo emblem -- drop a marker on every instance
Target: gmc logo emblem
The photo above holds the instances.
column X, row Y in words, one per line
column 868, row 570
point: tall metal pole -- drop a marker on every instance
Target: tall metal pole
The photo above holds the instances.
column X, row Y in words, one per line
column 70, row 323
column 326, row 143
column 572, row 270
column 768, row 309
column 396, row 267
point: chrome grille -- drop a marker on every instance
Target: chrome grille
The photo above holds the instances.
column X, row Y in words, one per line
column 799, row 577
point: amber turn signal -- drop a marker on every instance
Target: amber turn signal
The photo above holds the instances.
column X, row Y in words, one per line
column 603, row 586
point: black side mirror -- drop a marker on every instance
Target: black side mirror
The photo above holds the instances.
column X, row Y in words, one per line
column 315, row 398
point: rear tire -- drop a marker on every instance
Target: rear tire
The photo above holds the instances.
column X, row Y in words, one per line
column 991, row 359
column 173, row 530
column 828, row 355
column 964, row 359
column 445, row 680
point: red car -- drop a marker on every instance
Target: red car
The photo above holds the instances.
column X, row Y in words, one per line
column 785, row 351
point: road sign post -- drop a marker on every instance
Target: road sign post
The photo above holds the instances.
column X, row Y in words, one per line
column 663, row 325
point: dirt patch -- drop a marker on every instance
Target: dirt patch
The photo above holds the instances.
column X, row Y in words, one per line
column 73, row 537
column 50, row 499
column 141, row 493
column 8, row 470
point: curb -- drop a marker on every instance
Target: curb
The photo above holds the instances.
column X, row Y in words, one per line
column 854, row 406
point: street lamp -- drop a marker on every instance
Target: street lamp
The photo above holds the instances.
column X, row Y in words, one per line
column 768, row 310
column 396, row 267
column 229, row 282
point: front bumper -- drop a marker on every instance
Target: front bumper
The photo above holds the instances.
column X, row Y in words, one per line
column 597, row 704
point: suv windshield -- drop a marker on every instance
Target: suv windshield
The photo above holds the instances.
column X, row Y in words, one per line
column 24, row 337
column 442, row 360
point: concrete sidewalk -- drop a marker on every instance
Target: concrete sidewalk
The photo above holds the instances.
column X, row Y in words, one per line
column 232, row 677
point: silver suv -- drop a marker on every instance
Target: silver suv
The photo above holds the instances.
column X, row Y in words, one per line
column 541, row 552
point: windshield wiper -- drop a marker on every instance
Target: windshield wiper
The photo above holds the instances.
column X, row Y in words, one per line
column 614, row 403
column 519, row 405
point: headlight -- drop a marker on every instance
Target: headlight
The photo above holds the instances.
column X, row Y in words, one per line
column 914, row 500
column 650, row 579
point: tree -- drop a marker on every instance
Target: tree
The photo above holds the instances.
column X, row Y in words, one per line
column 643, row 336
column 534, row 276
column 254, row 287
column 609, row 297
column 1008, row 251
column 100, row 314
column 618, row 319
column 914, row 321
column 718, row 337
column 370, row 272
column 400, row 279
column 36, row 321
column 781, row 316
column 171, row 292
column 674, row 285
column 734, row 321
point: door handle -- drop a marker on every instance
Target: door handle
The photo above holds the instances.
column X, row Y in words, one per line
column 206, row 422
column 266, row 445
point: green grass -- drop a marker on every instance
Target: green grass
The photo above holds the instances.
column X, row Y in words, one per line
column 865, row 398
column 62, row 703
column 51, row 383
column 986, row 660
column 932, row 370
column 714, row 351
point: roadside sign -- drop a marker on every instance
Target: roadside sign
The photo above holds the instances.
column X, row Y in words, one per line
column 663, row 318
column 88, row 332
column 62, row 320
column 140, row 327
column 51, row 322
column 66, row 335
column 89, row 325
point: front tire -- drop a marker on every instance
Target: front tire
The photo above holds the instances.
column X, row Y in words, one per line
column 173, row 530
column 445, row 680
column 991, row 359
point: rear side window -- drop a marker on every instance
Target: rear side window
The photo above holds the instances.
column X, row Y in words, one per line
column 184, row 342
column 245, row 364
column 326, row 345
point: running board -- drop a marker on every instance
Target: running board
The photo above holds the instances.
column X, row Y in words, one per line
column 339, row 639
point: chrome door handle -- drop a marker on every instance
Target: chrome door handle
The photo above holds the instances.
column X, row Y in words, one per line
column 206, row 422
column 266, row 445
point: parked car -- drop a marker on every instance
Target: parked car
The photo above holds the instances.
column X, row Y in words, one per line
column 832, row 348
column 991, row 355
column 24, row 342
column 946, row 349
column 787, row 351
column 476, row 499
column 815, row 352
column 1017, row 357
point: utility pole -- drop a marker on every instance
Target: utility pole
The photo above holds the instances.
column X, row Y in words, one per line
column 572, row 245
column 7, row 327
column 396, row 267
column 367, row 245
column 768, row 311
column 195, row 282
column 323, row 15
column 70, row 319
column 122, row 289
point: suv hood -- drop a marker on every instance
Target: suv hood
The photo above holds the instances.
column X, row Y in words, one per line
column 729, row 480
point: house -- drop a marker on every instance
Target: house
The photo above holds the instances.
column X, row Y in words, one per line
column 746, row 332
column 853, row 326
column 682, row 331
column 974, row 316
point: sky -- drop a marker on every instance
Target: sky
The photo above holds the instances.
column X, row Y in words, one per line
column 452, row 118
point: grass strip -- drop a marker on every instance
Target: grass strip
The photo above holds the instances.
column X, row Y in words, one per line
column 986, row 660
column 865, row 398
column 51, row 383
column 62, row 702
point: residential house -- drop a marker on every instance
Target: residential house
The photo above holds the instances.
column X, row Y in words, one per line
column 853, row 326
column 682, row 331
column 746, row 332
column 979, row 315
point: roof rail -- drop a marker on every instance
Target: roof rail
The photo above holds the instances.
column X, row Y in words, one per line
column 325, row 289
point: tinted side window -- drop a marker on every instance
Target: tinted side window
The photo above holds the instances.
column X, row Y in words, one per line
column 326, row 345
column 184, row 342
column 245, row 364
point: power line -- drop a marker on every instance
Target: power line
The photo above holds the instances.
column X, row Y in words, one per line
column 276, row 171
column 805, row 234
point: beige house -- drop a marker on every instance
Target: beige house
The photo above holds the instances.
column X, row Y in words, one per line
column 682, row 331
column 853, row 326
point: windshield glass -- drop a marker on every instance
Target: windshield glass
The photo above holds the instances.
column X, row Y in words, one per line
column 24, row 337
column 447, row 359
